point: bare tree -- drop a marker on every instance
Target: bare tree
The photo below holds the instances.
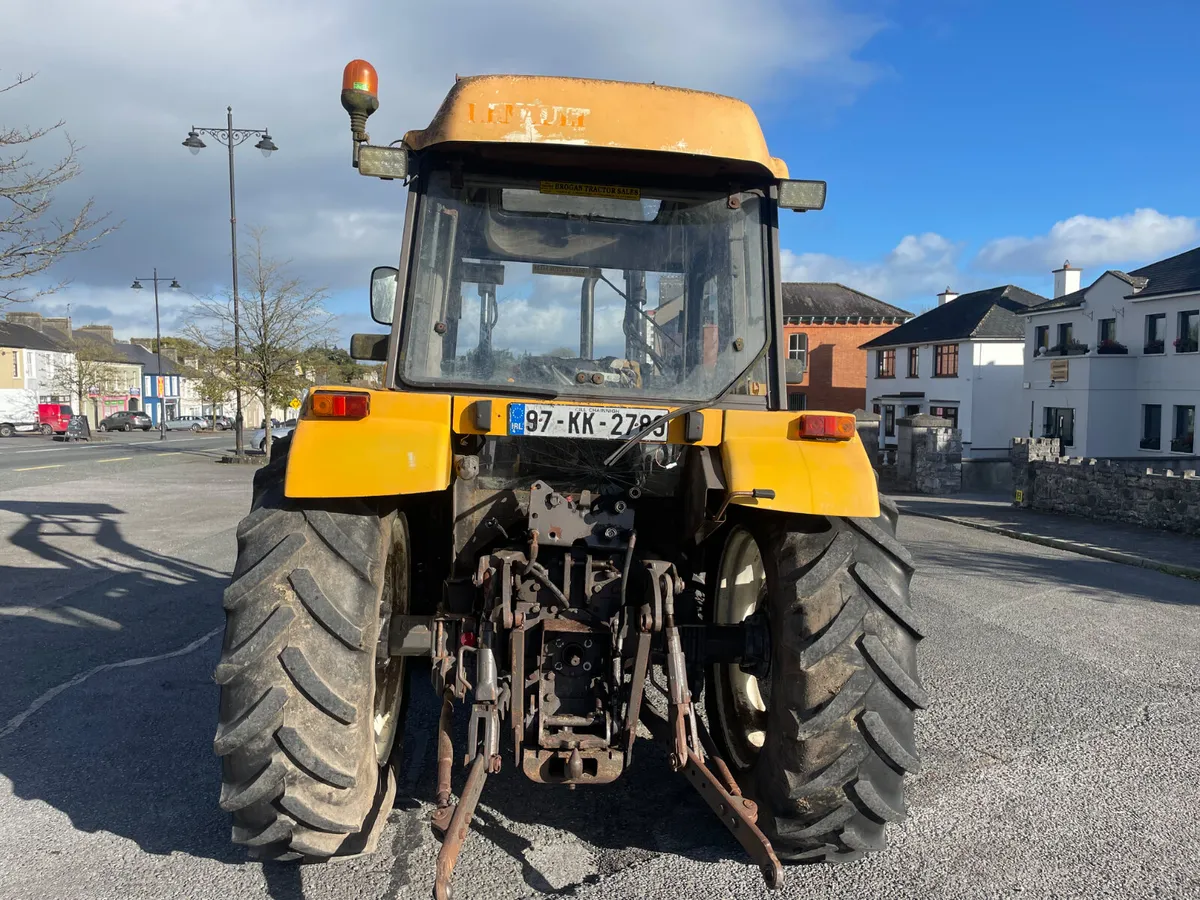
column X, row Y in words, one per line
column 280, row 318
column 92, row 367
column 32, row 239
column 216, row 380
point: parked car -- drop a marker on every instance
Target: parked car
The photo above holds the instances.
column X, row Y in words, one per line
column 53, row 418
column 280, row 431
column 187, row 423
column 222, row 422
column 125, row 420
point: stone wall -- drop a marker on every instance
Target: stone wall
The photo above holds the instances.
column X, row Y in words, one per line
column 1109, row 490
column 928, row 455
column 1023, row 451
column 867, row 424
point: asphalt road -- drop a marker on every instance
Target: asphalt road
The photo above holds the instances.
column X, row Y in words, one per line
column 1060, row 751
column 29, row 459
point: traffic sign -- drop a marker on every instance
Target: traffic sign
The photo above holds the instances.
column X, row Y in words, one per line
column 294, row 404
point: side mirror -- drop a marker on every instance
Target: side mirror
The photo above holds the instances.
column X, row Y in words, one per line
column 383, row 294
column 372, row 347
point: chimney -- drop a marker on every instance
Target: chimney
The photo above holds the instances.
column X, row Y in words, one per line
column 946, row 296
column 61, row 323
column 171, row 353
column 1066, row 280
column 144, row 343
column 28, row 319
column 104, row 332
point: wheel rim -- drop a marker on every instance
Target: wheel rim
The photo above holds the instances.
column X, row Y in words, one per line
column 389, row 670
column 743, row 699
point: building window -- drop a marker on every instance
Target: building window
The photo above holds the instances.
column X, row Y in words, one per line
column 914, row 359
column 1108, row 331
column 1059, row 422
column 1185, row 429
column 885, row 363
column 946, row 412
column 912, row 410
column 16, row 364
column 1041, row 339
column 875, row 408
column 797, row 400
column 1151, row 427
column 889, row 421
column 1189, row 332
column 945, row 361
column 797, row 345
column 1156, row 336
column 1066, row 333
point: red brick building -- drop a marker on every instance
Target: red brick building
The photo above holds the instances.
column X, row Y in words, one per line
column 824, row 327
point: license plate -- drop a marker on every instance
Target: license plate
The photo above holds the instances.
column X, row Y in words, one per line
column 597, row 422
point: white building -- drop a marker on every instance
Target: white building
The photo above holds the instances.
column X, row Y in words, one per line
column 29, row 366
column 1113, row 369
column 961, row 360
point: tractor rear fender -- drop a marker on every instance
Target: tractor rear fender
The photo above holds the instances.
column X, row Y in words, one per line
column 763, row 450
column 401, row 447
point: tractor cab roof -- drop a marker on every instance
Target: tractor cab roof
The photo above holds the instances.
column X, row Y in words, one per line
column 614, row 115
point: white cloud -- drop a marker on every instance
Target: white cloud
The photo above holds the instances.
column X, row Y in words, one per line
column 1141, row 236
column 919, row 266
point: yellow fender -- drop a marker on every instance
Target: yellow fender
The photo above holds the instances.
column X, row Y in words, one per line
column 826, row 478
column 404, row 447
column 401, row 447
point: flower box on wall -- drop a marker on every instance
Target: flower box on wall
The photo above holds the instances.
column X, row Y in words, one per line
column 1072, row 348
column 1185, row 345
column 1183, row 444
column 1112, row 347
column 1154, row 347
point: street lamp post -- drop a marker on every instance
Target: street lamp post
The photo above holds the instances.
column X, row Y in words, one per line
column 231, row 137
column 162, row 405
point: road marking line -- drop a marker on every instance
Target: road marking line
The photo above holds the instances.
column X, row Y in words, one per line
column 34, row 468
column 18, row 720
column 115, row 459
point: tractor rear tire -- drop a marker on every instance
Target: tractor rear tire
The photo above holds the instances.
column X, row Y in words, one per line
column 303, row 772
column 825, row 739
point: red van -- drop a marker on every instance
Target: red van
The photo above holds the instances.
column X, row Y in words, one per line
column 53, row 418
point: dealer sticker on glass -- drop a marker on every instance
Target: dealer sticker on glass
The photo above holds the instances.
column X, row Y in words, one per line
column 571, row 421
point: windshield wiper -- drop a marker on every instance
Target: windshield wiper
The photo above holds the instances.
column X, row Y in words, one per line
column 681, row 411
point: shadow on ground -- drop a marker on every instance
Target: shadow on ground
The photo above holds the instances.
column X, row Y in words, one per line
column 127, row 749
column 1020, row 562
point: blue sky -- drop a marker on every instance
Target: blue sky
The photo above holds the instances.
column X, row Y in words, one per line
column 988, row 120
column 966, row 143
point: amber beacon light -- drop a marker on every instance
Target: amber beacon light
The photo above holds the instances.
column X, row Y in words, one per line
column 360, row 95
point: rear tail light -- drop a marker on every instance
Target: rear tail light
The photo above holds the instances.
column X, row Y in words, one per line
column 827, row 428
column 337, row 405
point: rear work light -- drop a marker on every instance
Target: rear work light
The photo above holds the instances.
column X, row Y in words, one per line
column 337, row 405
column 827, row 428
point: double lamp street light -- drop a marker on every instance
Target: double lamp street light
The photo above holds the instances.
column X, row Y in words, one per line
column 232, row 137
column 162, row 403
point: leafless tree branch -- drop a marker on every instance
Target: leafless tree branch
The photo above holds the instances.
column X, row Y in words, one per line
column 32, row 237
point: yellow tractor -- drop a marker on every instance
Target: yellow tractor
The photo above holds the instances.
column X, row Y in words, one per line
column 581, row 470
